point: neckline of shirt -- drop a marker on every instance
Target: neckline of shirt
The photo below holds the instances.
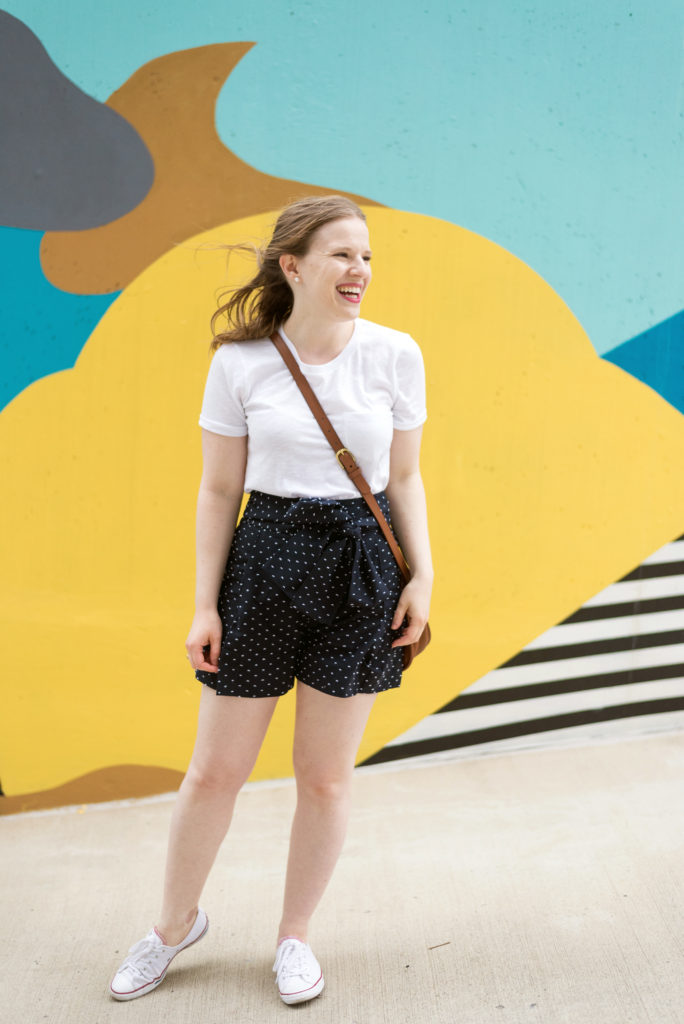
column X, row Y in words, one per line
column 335, row 361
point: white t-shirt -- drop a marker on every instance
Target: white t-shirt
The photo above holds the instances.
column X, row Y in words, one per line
column 374, row 386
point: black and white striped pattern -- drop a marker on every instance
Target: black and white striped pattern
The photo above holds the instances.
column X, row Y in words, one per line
column 619, row 657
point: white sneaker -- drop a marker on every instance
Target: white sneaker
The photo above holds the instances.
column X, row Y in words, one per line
column 298, row 972
column 145, row 966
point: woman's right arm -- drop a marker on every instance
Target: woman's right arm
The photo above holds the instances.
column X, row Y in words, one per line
column 218, row 505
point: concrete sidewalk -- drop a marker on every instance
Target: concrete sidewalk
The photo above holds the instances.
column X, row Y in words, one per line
column 539, row 886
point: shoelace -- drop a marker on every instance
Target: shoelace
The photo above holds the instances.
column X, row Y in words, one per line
column 142, row 958
column 291, row 961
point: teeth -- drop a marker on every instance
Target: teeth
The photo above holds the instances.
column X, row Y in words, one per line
column 350, row 291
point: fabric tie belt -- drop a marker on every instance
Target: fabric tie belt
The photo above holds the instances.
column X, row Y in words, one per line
column 323, row 558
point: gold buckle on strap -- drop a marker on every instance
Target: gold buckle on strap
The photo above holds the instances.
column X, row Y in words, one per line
column 348, row 453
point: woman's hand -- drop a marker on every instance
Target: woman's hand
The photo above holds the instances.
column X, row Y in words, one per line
column 205, row 631
column 414, row 604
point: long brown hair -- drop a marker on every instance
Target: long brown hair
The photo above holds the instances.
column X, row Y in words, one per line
column 257, row 308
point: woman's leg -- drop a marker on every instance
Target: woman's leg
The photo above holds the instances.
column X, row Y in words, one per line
column 229, row 735
column 328, row 731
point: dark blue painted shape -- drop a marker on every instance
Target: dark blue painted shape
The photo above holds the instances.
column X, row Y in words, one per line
column 43, row 328
column 70, row 162
column 656, row 357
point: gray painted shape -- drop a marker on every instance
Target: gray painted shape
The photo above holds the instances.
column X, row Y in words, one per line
column 67, row 162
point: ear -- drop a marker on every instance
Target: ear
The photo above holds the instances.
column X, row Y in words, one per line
column 288, row 265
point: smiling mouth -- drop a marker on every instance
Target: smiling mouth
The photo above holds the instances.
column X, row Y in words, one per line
column 352, row 293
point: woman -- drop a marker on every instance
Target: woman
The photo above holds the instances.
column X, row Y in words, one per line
column 306, row 586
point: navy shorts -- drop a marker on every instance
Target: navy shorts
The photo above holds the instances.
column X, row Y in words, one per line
column 309, row 592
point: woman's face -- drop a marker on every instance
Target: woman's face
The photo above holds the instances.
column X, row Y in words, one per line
column 335, row 272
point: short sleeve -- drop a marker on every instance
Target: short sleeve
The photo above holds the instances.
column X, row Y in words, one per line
column 409, row 409
column 222, row 407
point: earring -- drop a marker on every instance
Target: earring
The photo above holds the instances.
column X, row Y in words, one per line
column 297, row 280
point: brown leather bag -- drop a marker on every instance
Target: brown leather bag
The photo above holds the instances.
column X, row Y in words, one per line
column 349, row 464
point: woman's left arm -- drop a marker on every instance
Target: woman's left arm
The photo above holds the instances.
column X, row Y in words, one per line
column 409, row 521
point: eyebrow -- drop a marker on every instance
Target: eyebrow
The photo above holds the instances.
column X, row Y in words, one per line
column 343, row 245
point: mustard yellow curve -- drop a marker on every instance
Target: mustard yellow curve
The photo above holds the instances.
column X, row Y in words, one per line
column 550, row 473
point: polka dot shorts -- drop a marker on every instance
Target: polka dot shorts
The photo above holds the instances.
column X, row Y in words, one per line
column 309, row 591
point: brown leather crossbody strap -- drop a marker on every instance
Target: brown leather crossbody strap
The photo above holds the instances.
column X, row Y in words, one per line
column 344, row 456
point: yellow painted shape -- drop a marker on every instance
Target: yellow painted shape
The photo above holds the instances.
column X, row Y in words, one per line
column 550, row 474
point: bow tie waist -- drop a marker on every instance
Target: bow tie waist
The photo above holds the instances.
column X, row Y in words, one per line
column 323, row 553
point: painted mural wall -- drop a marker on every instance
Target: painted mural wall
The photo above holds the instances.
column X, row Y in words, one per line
column 520, row 166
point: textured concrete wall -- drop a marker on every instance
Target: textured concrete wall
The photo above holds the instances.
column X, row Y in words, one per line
column 521, row 170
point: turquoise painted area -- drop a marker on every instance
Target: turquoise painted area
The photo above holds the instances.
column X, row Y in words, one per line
column 43, row 328
column 554, row 129
column 656, row 357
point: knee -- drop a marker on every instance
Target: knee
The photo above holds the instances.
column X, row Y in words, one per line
column 213, row 778
column 323, row 788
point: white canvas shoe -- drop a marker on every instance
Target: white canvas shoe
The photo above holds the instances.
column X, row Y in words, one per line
column 298, row 973
column 146, row 964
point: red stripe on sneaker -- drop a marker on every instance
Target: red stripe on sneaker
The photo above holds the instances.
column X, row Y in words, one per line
column 300, row 990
